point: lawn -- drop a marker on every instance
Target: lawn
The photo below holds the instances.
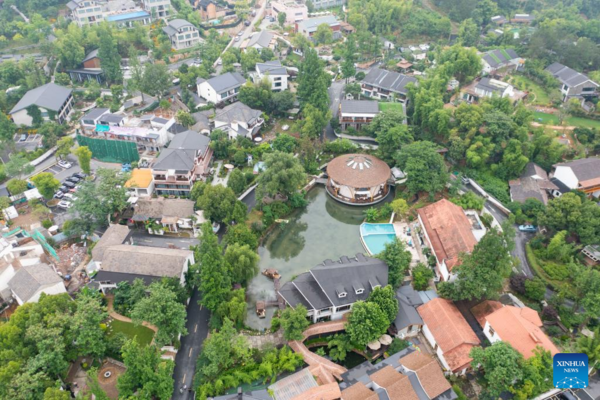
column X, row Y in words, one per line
column 385, row 105
column 538, row 95
column 544, row 118
column 582, row 122
column 144, row 335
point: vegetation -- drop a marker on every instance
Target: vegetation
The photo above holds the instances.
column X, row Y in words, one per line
column 398, row 260
column 294, row 322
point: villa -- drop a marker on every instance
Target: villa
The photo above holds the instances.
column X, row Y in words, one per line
column 408, row 322
column 170, row 214
column 141, row 183
column 500, row 59
column 582, row 174
column 532, row 184
column 54, row 102
column 30, row 281
column 357, row 113
column 182, row 34
column 358, row 179
column 220, row 88
column 573, row 84
column 386, row 85
column 329, row 290
column 274, row 72
column 238, row 119
column 449, row 231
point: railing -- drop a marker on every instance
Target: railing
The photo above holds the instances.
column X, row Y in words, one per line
column 362, row 200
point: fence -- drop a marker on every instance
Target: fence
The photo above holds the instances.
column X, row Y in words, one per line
column 110, row 150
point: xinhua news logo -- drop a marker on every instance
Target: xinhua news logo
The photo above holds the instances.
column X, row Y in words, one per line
column 570, row 371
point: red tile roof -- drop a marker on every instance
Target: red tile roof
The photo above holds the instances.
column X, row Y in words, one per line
column 521, row 328
column 450, row 330
column 428, row 371
column 485, row 308
column 396, row 385
column 359, row 391
column 449, row 231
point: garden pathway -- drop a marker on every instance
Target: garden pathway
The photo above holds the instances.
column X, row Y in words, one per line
column 260, row 341
column 116, row 315
column 218, row 180
column 556, row 127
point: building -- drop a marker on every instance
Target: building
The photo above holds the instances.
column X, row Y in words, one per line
column 582, row 174
column 30, row 281
column 308, row 27
column 238, row 119
column 518, row 326
column 574, row 84
column 357, row 113
column 124, row 13
column 157, row 8
column 182, row 34
column 522, row 19
column 86, row 12
column 90, row 69
column 486, row 88
column 220, row 88
column 89, row 121
column 329, row 290
column 386, row 85
column 186, row 160
column 358, row 179
column 170, row 214
column 499, row 20
column 321, row 4
column 408, row 322
column 210, row 10
column 592, row 254
column 495, row 60
column 406, row 375
column 53, row 101
column 262, row 40
column 449, row 232
column 532, row 184
column 274, row 72
column 141, row 183
column 91, row 60
column 294, row 12
column 449, row 334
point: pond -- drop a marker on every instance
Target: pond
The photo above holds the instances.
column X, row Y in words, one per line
column 352, row 359
column 324, row 229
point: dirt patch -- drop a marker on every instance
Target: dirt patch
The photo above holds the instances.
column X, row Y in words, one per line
column 26, row 219
column 107, row 378
column 73, row 259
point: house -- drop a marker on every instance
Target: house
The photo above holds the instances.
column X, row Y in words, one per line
column 182, row 34
column 141, row 183
column 238, row 119
column 404, row 66
column 170, row 214
column 294, row 12
column 449, row 231
column 346, row 28
column 186, row 160
column 406, row 375
column 499, row 20
column 53, row 101
column 124, row 13
column 321, row 4
column 574, row 84
column 86, row 12
column 486, row 88
column 329, row 290
column 592, row 254
column 220, row 88
column 522, row 19
column 308, row 27
column 91, row 60
column 532, row 184
column 500, row 59
column 89, row 121
column 384, row 85
column 157, row 8
column 274, row 72
column 261, row 40
column 582, row 174
column 449, row 334
column 518, row 326
column 203, row 122
column 210, row 10
column 357, row 113
column 408, row 322
column 90, row 69
column 125, row 263
column 30, row 281
column 16, row 252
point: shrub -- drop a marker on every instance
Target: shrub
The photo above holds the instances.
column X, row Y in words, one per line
column 517, row 282
column 275, row 324
column 535, row 289
column 421, row 276
column 550, row 313
column 257, row 227
column 397, row 345
column 47, row 223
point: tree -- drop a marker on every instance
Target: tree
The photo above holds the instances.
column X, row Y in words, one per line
column 535, row 289
column 367, row 322
column 241, row 262
column 315, row 120
column 281, row 18
column 391, row 140
column 513, row 160
column 155, row 80
column 234, row 308
column 63, row 147
column 313, row 82
column 242, row 8
column 46, row 183
column 400, row 207
column 386, row 299
column 284, row 143
column 184, row 118
column 482, row 273
column 110, row 60
column 424, row 167
column 502, row 365
column 574, row 214
column 249, row 59
column 16, row 186
column 257, row 95
column 590, row 345
column 56, row 394
column 281, row 102
column 484, row 11
column 84, row 155
column 162, row 309
column 237, row 181
column 468, row 33
column 422, row 274
column 398, row 260
column 50, row 132
column 283, row 175
column 323, row 34
column 294, row 322
column 214, row 282
column 348, row 68
column 89, row 315
column 241, row 234
column 218, row 203
column 339, row 346
column 18, row 166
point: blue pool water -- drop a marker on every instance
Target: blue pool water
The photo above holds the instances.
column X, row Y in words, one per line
column 376, row 236
column 369, row 229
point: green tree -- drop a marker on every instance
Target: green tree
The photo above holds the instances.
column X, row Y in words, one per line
column 424, row 167
column 46, row 183
column 110, row 60
column 537, row 376
column 386, row 299
column 590, row 345
column 339, row 346
column 16, row 186
column 18, row 166
column 249, row 59
column 241, row 262
column 284, row 143
column 155, row 80
column 422, row 274
column 63, row 147
column 513, row 160
column 281, row 102
column 535, row 289
column 367, row 322
column 56, row 394
column 294, row 322
column 323, row 34
column 237, row 181
column 162, row 309
column 218, row 203
column 50, row 132
column 574, row 214
column 184, row 118
column 281, row 18
column 502, row 365
column 468, row 33
column 215, row 284
column 315, row 120
column 94, row 385
column 313, row 82
column 400, row 207
column 89, row 315
column 391, row 140
column 234, row 308
column 257, row 95
column 348, row 68
column 397, row 259
column 283, row 175
column 84, row 156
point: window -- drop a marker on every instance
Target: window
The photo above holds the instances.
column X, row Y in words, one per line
column 343, row 308
column 492, row 331
column 359, row 291
column 341, row 295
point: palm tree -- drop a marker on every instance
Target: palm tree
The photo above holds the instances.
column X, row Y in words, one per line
column 591, row 347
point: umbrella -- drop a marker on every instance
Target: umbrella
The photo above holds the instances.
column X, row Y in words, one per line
column 228, row 166
column 374, row 345
column 258, row 139
column 385, row 340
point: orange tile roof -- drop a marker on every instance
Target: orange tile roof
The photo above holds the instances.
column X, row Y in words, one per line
column 428, row 371
column 450, row 331
column 359, row 391
column 521, row 328
column 485, row 308
column 396, row 385
column 449, row 231
column 330, row 391
column 140, row 178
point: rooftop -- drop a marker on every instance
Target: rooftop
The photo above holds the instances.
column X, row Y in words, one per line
column 238, row 112
column 182, row 152
column 225, row 82
column 533, row 183
column 568, row 76
column 262, row 38
column 388, row 80
column 271, row 67
column 114, row 235
column 29, row 279
column 499, row 57
column 159, row 208
column 358, row 170
column 311, row 24
column 142, row 260
column 49, row 96
column 140, row 178
column 585, row 169
column 359, row 107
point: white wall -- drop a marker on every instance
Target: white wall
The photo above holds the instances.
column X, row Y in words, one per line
column 566, row 176
column 493, row 338
column 6, row 276
column 433, row 343
column 206, row 91
column 22, row 118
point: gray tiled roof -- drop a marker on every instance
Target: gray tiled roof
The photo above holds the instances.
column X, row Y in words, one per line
column 492, row 56
column 263, row 39
column 227, row 81
column 389, row 80
column 311, row 24
column 485, row 84
column 114, row 235
column 179, row 23
column 182, row 151
column 584, row 169
column 568, row 76
column 169, row 31
column 527, row 186
column 90, row 55
column 112, row 118
column 49, row 96
column 360, row 106
column 272, row 67
column 237, row 112
column 408, row 301
column 95, row 113
column 28, row 280
column 142, row 260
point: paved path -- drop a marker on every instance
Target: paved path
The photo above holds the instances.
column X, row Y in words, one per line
column 220, row 181
column 336, row 91
column 556, row 127
column 260, row 341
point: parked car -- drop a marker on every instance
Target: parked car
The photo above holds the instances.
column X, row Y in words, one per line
column 65, row 164
column 247, row 23
column 23, row 137
column 80, row 175
column 237, row 39
column 527, row 228
column 65, row 204
column 63, row 189
column 69, row 197
column 68, row 184
column 125, row 167
column 240, row 33
column 59, row 195
column 73, row 179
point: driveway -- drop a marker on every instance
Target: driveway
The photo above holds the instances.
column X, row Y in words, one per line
column 191, row 345
column 336, row 91
column 141, row 238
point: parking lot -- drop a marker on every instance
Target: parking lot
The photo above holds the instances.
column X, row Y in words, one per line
column 61, row 173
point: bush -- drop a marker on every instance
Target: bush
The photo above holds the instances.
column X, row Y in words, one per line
column 517, row 282
column 47, row 223
column 550, row 313
column 421, row 276
column 535, row 289
column 397, row 345
column 275, row 324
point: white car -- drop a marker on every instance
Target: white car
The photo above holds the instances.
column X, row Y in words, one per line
column 65, row 204
column 69, row 197
column 240, row 33
column 65, row 164
column 219, row 62
column 237, row 39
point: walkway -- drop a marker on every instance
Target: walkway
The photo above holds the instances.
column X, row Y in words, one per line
column 260, row 341
column 114, row 315
column 220, row 181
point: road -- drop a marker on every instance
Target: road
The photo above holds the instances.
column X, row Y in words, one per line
column 191, row 344
column 336, row 91
column 248, row 29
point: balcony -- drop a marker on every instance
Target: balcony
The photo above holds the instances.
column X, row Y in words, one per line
column 171, row 178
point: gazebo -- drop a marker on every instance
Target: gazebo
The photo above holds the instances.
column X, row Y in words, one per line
column 358, row 179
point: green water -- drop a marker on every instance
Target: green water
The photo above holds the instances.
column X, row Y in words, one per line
column 324, row 229
column 352, row 359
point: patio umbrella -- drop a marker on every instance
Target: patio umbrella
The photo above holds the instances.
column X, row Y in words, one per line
column 385, row 340
column 374, row 345
column 228, row 166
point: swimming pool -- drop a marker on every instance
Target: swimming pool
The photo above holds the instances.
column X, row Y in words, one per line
column 376, row 236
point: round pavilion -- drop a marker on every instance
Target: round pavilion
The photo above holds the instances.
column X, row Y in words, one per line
column 358, row 179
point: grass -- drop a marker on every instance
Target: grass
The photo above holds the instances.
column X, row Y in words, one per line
column 544, row 118
column 539, row 271
column 582, row 122
column 523, row 83
column 144, row 335
column 384, row 105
